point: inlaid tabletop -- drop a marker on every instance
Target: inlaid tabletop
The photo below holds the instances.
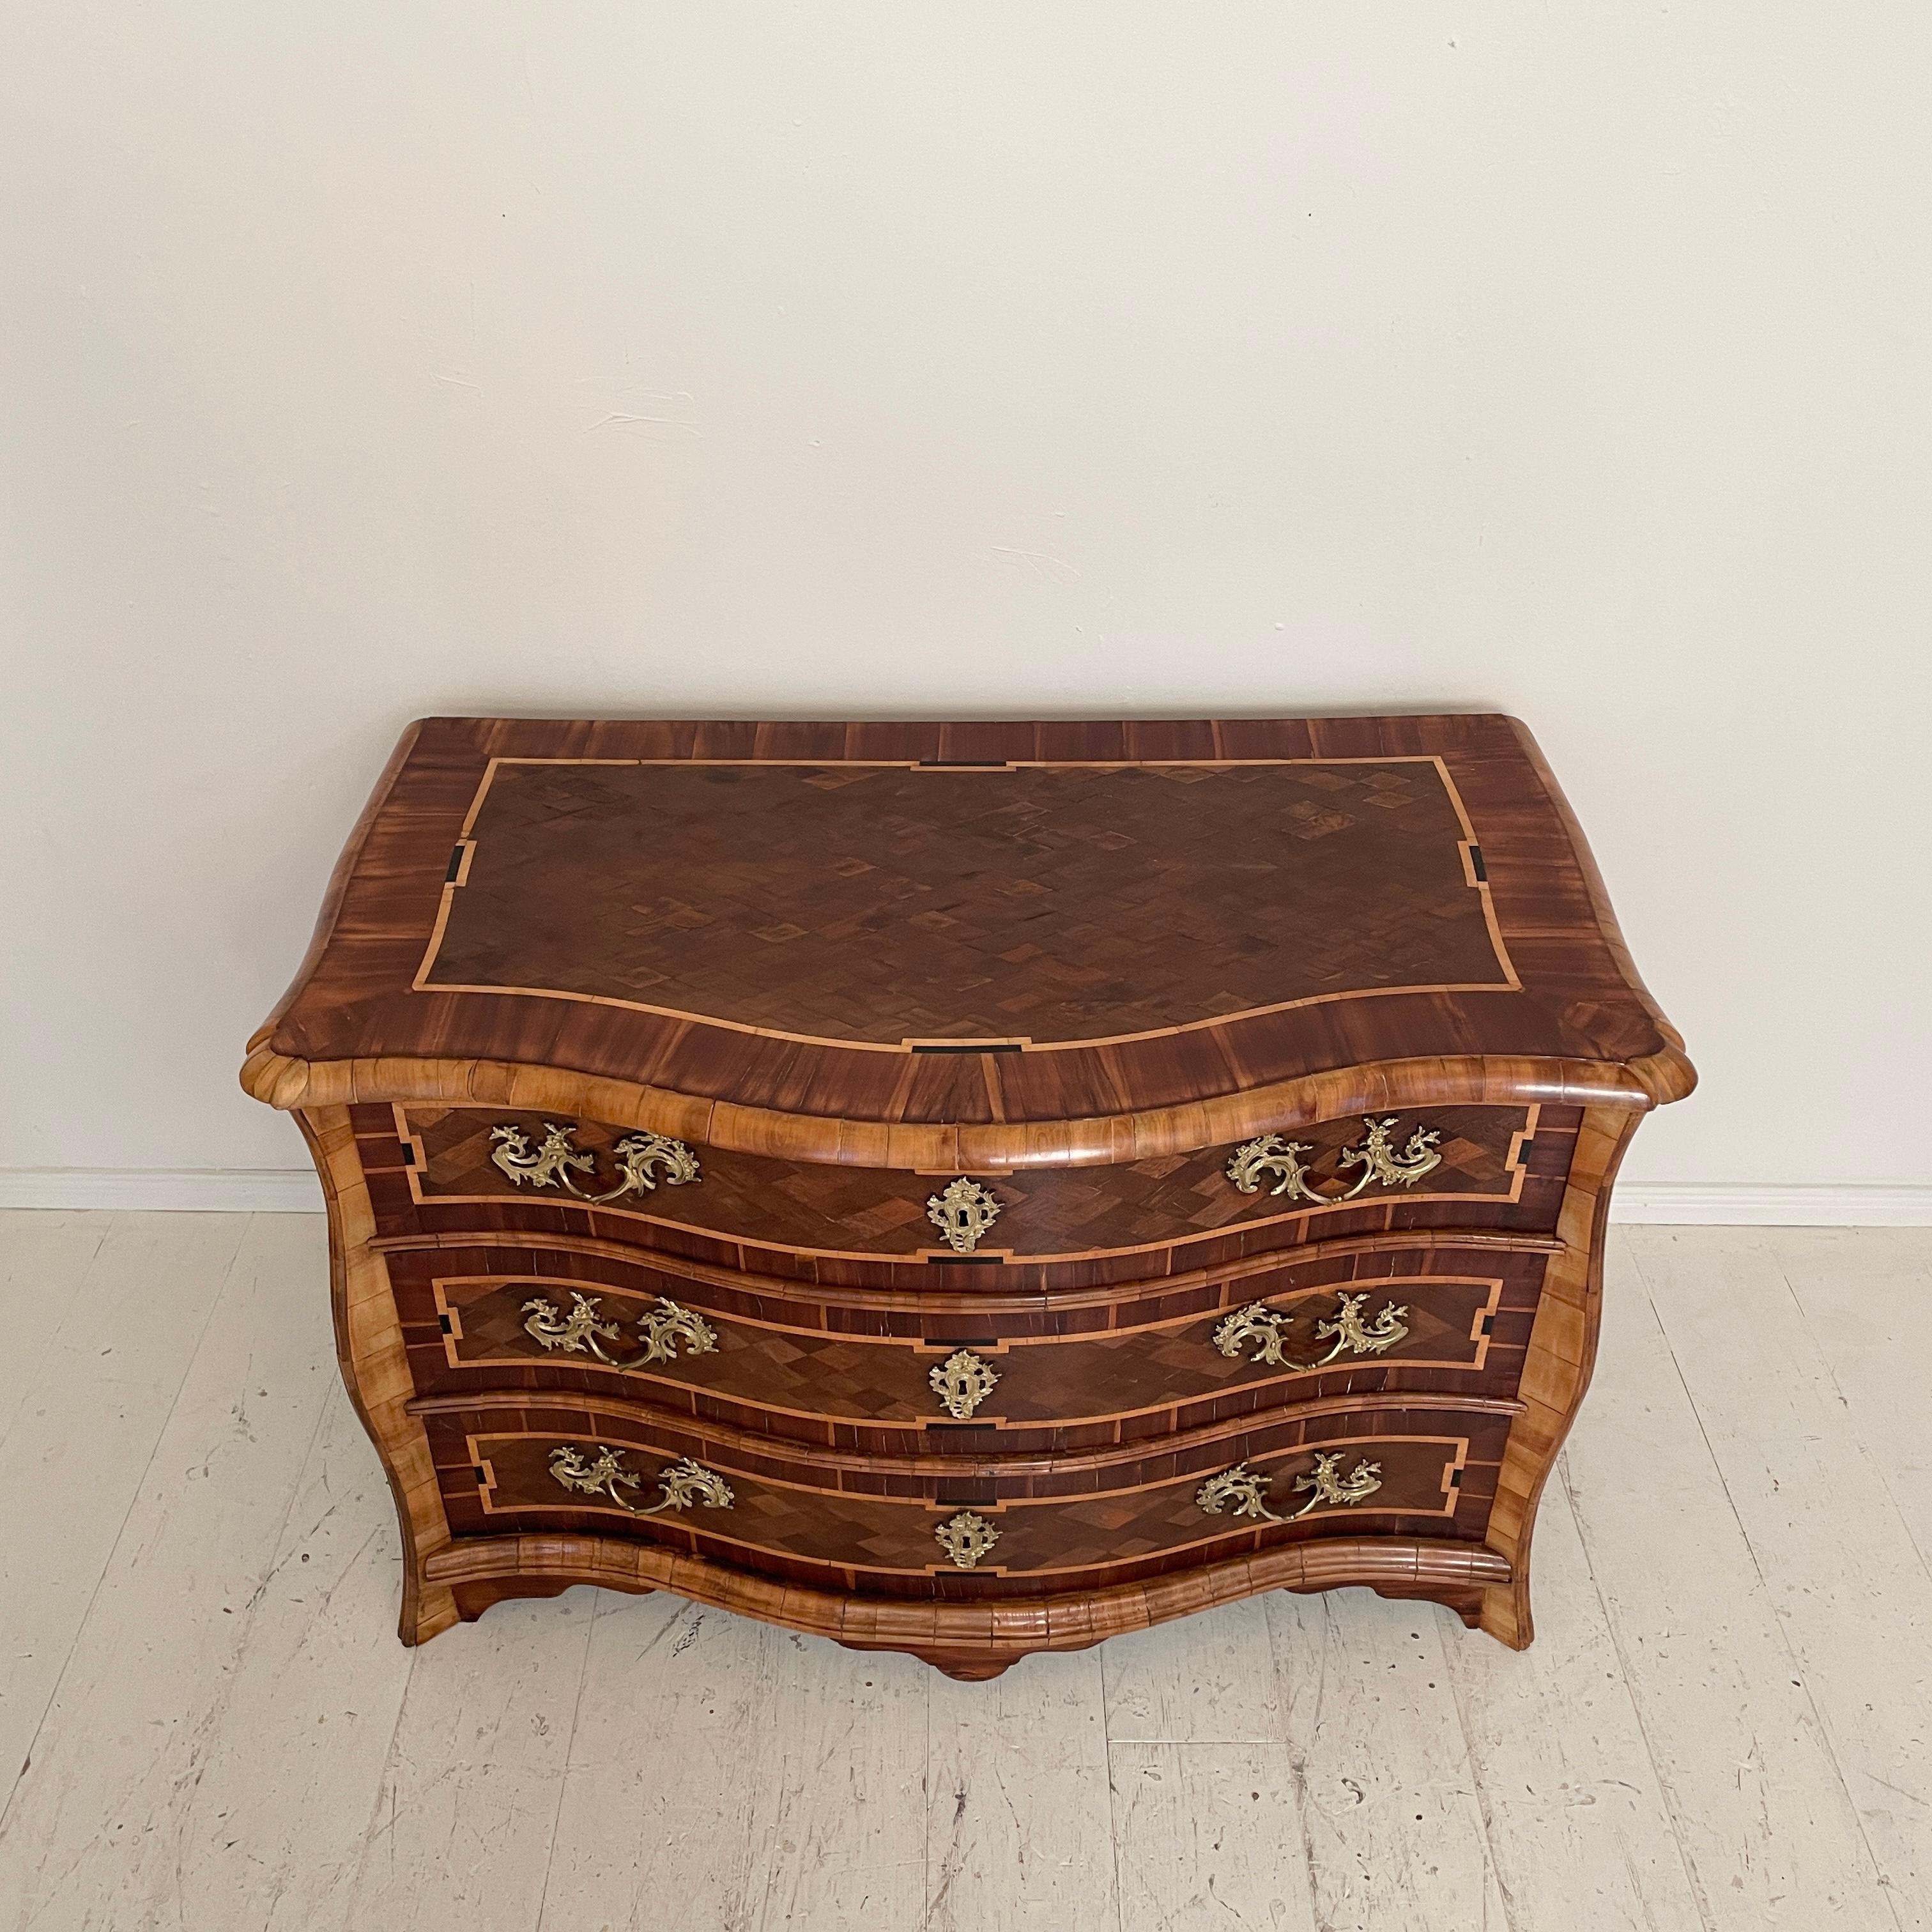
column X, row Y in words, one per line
column 991, row 923
column 942, row 903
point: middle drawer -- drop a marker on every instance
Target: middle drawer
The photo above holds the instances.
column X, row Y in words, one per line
column 901, row 1370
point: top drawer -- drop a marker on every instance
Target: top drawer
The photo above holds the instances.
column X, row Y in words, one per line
column 442, row 1170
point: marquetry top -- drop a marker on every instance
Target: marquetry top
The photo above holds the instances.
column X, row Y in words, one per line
column 788, row 928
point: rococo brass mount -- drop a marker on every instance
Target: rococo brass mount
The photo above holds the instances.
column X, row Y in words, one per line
column 683, row 1483
column 966, row 1537
column 1350, row 1336
column 584, row 1331
column 962, row 1211
column 555, row 1161
column 961, row 1382
column 1275, row 1153
column 1246, row 1491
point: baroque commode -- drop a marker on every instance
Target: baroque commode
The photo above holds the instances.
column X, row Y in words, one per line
column 967, row 1190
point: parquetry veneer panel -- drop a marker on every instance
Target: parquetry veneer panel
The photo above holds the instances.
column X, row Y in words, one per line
column 882, row 903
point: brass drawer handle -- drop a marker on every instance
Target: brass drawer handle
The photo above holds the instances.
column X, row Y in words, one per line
column 555, row 1161
column 966, row 1538
column 962, row 1211
column 683, row 1483
column 1259, row 1323
column 1246, row 1490
column 1376, row 1156
column 961, row 1382
column 584, row 1331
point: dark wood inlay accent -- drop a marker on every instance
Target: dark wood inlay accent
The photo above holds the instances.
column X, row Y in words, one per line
column 966, row 1046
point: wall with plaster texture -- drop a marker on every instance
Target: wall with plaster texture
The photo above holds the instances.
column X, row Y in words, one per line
column 362, row 361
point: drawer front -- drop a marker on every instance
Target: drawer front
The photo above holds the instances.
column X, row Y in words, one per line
column 1272, row 1341
column 490, row 1168
column 1418, row 1472
column 963, row 1373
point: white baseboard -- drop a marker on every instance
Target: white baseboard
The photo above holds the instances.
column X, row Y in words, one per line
column 203, row 1190
column 296, row 1191
column 1691, row 1204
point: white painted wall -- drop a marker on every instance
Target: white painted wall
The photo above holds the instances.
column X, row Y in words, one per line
column 361, row 361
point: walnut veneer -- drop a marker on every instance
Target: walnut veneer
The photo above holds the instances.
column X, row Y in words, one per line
column 966, row 1189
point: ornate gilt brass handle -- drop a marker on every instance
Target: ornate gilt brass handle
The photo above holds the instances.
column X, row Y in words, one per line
column 683, row 1483
column 584, row 1331
column 557, row 1159
column 1246, row 1491
column 962, row 1211
column 1345, row 1330
column 1376, row 1156
column 966, row 1538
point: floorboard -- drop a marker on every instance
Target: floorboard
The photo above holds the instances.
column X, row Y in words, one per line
column 1206, row 1679
column 1770, row 1838
column 1866, row 1297
column 272, row 1838
column 666, row 1772
column 1830, row 1551
column 1019, row 1810
column 838, row 1784
column 1578, row 1831
column 101, row 1334
column 1390, row 1818
column 466, row 1813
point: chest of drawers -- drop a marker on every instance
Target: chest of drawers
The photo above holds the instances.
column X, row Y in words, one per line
column 967, row 1190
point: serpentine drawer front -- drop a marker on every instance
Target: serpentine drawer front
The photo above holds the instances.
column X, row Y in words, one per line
column 1366, row 1318
column 538, row 1469
column 966, row 1189
column 529, row 1170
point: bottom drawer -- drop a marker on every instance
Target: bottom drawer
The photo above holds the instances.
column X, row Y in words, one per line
column 892, row 1523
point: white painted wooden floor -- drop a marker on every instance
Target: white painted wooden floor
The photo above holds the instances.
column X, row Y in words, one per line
column 206, row 1722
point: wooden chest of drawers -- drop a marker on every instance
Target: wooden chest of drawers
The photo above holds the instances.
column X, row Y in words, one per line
column 967, row 1190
